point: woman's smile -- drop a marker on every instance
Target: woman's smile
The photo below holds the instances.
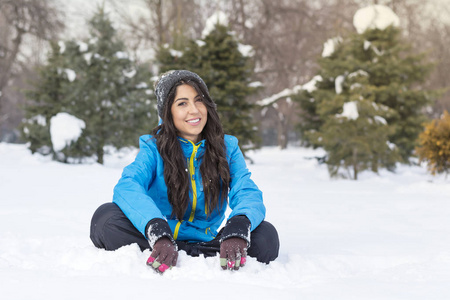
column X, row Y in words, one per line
column 194, row 121
column 189, row 113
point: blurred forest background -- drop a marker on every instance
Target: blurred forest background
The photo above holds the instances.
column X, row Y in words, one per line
column 286, row 37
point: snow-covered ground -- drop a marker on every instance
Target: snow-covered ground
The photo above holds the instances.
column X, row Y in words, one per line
column 382, row 237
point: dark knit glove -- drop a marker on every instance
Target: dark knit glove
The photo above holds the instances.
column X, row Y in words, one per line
column 163, row 256
column 164, row 249
column 234, row 243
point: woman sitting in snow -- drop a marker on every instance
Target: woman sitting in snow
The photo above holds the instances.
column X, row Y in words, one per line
column 174, row 195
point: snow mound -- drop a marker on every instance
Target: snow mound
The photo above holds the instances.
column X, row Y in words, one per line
column 309, row 86
column 65, row 129
column 330, row 46
column 374, row 17
column 246, row 50
column 338, row 84
column 350, row 111
column 218, row 18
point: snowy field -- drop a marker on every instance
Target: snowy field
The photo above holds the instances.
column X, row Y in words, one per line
column 382, row 237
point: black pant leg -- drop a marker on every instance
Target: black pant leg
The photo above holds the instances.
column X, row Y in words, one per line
column 264, row 243
column 111, row 229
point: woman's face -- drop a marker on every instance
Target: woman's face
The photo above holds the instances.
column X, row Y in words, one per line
column 189, row 113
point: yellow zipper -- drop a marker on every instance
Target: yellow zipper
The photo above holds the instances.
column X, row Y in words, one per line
column 194, row 187
column 177, row 228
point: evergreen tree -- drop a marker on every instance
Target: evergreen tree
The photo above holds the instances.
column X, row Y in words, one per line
column 45, row 101
column 377, row 73
column 109, row 92
column 226, row 72
column 104, row 88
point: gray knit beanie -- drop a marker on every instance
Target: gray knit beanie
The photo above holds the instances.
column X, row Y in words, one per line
column 167, row 80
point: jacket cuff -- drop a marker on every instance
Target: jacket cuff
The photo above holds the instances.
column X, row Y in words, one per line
column 237, row 226
column 156, row 229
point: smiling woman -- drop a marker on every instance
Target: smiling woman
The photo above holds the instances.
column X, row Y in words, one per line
column 189, row 112
column 175, row 194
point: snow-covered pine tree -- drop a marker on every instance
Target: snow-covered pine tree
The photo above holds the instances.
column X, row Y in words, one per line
column 368, row 110
column 45, row 101
column 110, row 91
column 106, row 89
column 227, row 72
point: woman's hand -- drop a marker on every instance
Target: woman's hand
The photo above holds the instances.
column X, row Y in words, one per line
column 233, row 253
column 234, row 243
column 163, row 256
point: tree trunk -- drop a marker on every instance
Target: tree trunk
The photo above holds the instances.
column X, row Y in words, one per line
column 282, row 136
column 100, row 154
column 5, row 75
column 355, row 164
column 159, row 19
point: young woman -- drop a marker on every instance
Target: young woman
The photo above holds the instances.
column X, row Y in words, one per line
column 175, row 194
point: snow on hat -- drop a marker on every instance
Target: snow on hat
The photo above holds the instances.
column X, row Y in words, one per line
column 167, row 80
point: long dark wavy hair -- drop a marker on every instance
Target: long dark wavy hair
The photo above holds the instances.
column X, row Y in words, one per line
column 214, row 167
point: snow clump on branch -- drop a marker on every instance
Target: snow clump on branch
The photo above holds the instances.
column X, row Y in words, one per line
column 375, row 17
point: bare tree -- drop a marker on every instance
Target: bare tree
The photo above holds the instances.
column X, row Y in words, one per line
column 22, row 22
column 439, row 39
column 287, row 37
column 423, row 24
column 153, row 23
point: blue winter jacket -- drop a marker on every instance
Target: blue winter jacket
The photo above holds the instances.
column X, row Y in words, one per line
column 141, row 192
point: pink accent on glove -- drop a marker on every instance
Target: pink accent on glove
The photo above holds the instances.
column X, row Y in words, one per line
column 150, row 260
column 231, row 264
column 243, row 260
column 163, row 268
